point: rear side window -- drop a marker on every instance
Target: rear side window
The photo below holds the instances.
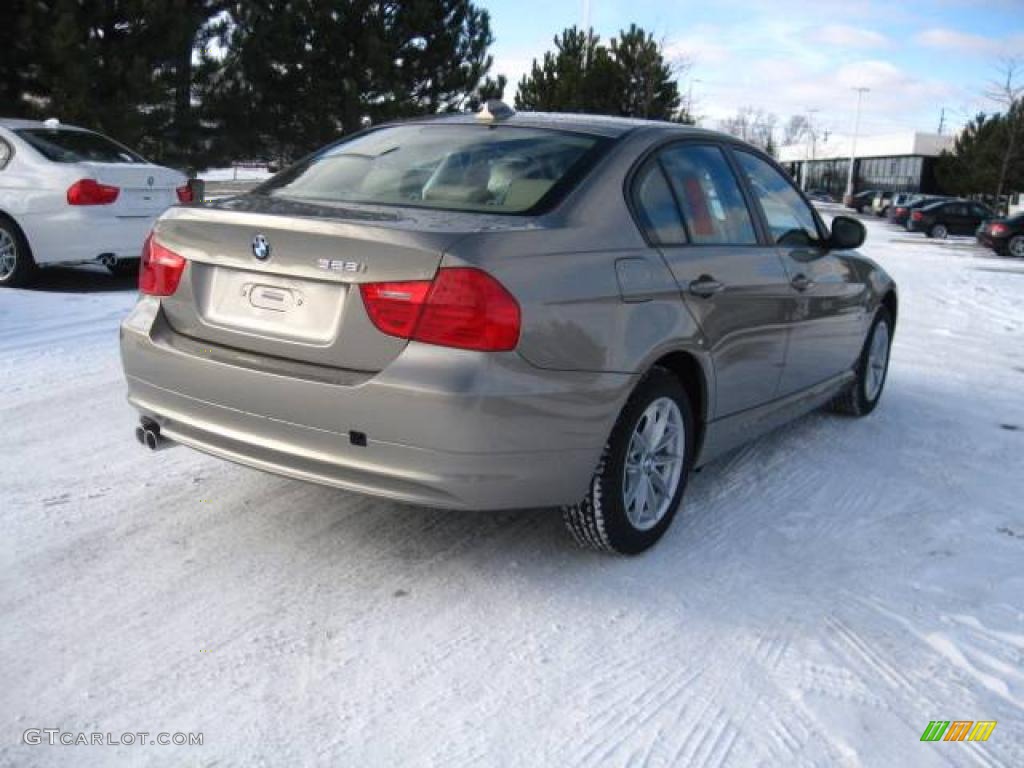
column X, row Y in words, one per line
column 713, row 209
column 657, row 207
column 61, row 145
column 790, row 219
column 483, row 168
column 5, row 154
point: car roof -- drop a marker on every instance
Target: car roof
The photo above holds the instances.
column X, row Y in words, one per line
column 14, row 123
column 598, row 125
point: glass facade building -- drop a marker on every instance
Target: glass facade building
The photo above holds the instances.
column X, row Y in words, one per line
column 890, row 174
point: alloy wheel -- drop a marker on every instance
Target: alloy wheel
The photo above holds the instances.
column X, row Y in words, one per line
column 1017, row 246
column 8, row 254
column 654, row 463
column 878, row 359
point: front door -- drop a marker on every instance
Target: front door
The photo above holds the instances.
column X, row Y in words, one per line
column 734, row 286
column 826, row 293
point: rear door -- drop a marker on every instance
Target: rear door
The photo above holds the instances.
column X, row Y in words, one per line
column 826, row 294
column 733, row 284
column 954, row 216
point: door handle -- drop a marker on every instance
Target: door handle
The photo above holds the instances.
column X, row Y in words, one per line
column 801, row 282
column 706, row 286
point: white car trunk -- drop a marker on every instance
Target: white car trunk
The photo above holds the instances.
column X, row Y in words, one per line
column 146, row 190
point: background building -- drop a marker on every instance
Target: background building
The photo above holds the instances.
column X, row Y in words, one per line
column 901, row 162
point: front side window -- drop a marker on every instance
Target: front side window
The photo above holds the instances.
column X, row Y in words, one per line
column 62, row 145
column 790, row 220
column 713, row 208
column 5, row 154
column 482, row 168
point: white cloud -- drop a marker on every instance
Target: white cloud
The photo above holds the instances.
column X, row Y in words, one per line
column 844, row 36
column 699, row 47
column 954, row 40
column 870, row 74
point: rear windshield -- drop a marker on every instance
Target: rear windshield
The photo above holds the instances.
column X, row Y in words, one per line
column 485, row 168
column 66, row 146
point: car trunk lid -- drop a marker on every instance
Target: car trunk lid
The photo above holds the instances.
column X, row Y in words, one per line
column 273, row 278
column 145, row 190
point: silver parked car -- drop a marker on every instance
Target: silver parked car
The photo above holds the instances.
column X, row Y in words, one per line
column 506, row 311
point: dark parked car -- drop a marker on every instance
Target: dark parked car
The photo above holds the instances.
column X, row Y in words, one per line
column 862, row 200
column 425, row 312
column 901, row 214
column 949, row 217
column 820, row 196
column 1004, row 236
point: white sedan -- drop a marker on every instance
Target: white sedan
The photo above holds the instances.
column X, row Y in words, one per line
column 72, row 196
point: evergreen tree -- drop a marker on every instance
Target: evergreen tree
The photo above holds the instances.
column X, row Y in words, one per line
column 629, row 77
column 975, row 163
column 300, row 73
column 19, row 64
column 125, row 68
column 648, row 88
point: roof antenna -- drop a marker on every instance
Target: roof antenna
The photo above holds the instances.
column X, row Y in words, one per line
column 495, row 109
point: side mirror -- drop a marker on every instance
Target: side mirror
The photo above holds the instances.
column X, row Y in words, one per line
column 847, row 233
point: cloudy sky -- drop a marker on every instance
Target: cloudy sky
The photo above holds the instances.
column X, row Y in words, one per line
column 790, row 57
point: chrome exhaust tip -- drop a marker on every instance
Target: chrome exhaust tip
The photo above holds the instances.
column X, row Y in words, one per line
column 148, row 434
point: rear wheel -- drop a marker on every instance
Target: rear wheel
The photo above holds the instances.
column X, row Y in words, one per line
column 938, row 231
column 863, row 395
column 639, row 482
column 17, row 267
column 1016, row 246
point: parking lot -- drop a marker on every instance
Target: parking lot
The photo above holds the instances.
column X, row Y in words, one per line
column 826, row 592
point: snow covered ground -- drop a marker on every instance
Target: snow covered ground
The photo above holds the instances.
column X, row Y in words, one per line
column 826, row 592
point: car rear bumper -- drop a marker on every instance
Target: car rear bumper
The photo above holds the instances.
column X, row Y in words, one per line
column 443, row 428
column 76, row 235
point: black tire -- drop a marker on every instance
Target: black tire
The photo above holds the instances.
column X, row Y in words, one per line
column 600, row 520
column 939, row 231
column 854, row 400
column 124, row 268
column 24, row 270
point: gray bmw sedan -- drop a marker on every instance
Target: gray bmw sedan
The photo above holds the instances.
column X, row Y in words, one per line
column 504, row 311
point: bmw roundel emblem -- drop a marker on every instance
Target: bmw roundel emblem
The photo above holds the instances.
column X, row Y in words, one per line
column 260, row 248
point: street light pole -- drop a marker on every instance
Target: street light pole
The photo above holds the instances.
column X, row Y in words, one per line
column 809, row 147
column 853, row 147
column 689, row 99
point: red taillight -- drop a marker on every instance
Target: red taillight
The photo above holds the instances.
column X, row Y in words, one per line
column 917, row 215
column 900, row 211
column 184, row 194
column 461, row 307
column 997, row 229
column 395, row 307
column 160, row 270
column 91, row 192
